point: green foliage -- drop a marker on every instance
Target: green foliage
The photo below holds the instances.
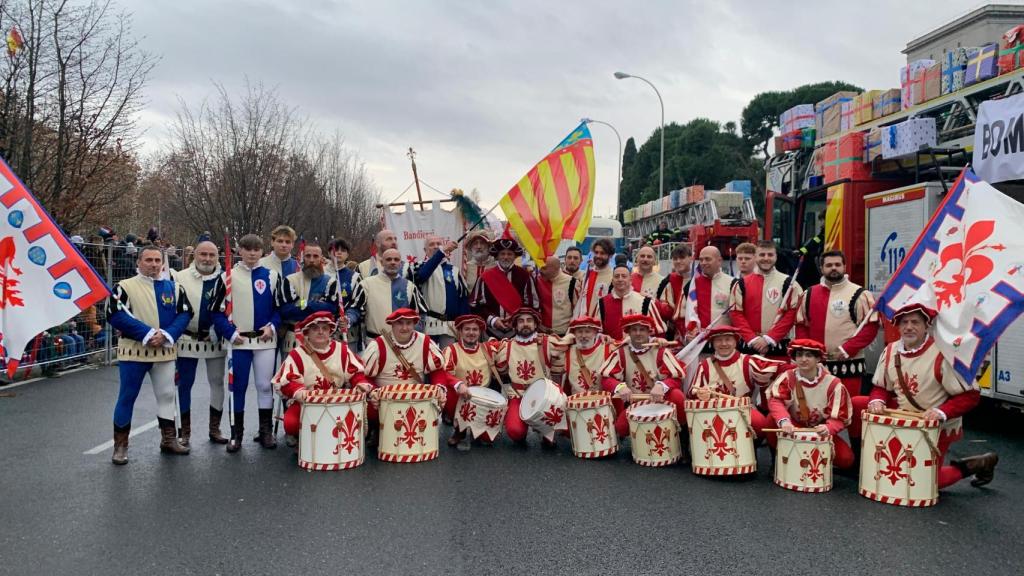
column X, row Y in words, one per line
column 629, row 155
column 760, row 118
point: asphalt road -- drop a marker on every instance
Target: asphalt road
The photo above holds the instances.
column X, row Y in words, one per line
column 500, row 510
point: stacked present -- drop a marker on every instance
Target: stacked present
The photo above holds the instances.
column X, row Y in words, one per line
column 797, row 117
column 792, row 140
column 807, row 136
column 873, row 144
column 694, row 193
column 908, row 137
column 844, row 158
column 742, row 186
column 846, row 113
column 982, row 64
column 829, row 113
column 863, row 107
column 886, row 102
column 1011, row 45
column 912, row 83
column 954, row 65
column 932, row 82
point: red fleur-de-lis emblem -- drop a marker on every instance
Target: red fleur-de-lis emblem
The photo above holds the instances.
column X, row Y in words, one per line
column 813, row 465
column 467, row 412
column 11, row 294
column 719, row 433
column 401, row 372
column 639, row 382
column 349, row 430
column 474, row 377
column 911, row 380
column 493, row 418
column 658, row 440
column 322, row 383
column 553, row 416
column 814, row 417
column 411, row 424
column 598, row 428
column 973, row 265
column 525, row 370
column 896, row 456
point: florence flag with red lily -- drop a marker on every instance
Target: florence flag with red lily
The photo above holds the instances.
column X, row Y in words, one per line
column 45, row 280
column 555, row 199
column 968, row 265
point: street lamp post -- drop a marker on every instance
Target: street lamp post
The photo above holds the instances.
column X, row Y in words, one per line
column 661, row 169
column 618, row 184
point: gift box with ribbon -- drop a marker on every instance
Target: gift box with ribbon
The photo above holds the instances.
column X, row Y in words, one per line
column 844, row 158
column 1011, row 45
column 792, row 140
column 807, row 138
column 982, row 64
column 954, row 64
column 908, row 137
column 873, row 144
column 932, row 82
column 886, row 102
column 829, row 113
column 864, row 107
column 912, row 83
column 846, row 116
column 797, row 117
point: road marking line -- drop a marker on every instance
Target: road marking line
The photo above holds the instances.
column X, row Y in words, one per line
column 110, row 443
column 38, row 378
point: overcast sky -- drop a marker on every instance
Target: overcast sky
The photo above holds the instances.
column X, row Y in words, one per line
column 483, row 89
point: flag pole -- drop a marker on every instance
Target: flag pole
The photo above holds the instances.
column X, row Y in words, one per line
column 227, row 304
column 477, row 223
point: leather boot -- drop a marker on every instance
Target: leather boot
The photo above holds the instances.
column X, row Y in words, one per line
column 120, row 456
column 215, row 436
column 186, row 429
column 265, row 436
column 168, row 438
column 684, row 447
column 982, row 467
column 237, row 433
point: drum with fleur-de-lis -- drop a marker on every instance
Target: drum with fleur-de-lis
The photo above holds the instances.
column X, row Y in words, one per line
column 409, row 416
column 482, row 414
column 803, row 462
column 333, row 428
column 721, row 437
column 654, row 433
column 900, row 460
column 592, row 424
column 543, row 408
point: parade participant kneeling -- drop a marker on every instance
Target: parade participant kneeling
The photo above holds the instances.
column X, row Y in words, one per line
column 403, row 356
column 150, row 314
column 468, row 362
column 808, row 396
column 913, row 375
column 587, row 353
column 526, row 358
column 318, row 363
column 641, row 366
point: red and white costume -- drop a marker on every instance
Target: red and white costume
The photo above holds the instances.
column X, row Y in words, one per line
column 613, row 308
column 470, row 365
column 713, row 296
column 933, row 384
column 524, row 360
column 756, row 300
column 671, row 297
column 827, row 402
column 623, row 368
column 832, row 315
column 583, row 365
column 300, row 372
column 596, row 285
column 647, row 284
column 557, row 300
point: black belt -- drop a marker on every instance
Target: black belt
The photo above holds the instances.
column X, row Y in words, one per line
column 436, row 315
column 252, row 334
column 199, row 336
column 842, row 368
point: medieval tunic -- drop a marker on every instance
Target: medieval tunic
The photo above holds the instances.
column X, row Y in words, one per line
column 742, row 373
column 712, row 300
column 647, row 284
column 197, row 341
column 613, row 307
column 319, row 294
column 578, row 380
column 384, row 368
column 832, row 314
column 828, row 403
column 469, row 366
column 525, row 360
column 377, row 296
column 623, row 366
column 596, row 285
column 756, row 300
column 501, row 292
column 557, row 299
column 300, row 372
column 257, row 295
column 282, row 267
column 444, row 293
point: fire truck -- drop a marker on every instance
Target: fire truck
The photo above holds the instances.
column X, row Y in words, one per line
column 876, row 220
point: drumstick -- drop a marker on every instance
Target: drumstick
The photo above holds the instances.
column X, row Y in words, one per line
column 794, row 430
column 720, row 395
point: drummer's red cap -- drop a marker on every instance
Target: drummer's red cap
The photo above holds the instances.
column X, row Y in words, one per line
column 317, row 318
column 808, row 344
column 636, row 319
column 928, row 313
column 526, row 311
column 403, row 314
column 469, row 319
column 585, row 322
column 723, row 331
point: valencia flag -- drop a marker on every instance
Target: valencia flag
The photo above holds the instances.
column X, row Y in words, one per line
column 555, row 199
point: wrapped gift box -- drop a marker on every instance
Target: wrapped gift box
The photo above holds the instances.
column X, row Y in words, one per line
column 846, row 116
column 864, row 107
column 694, row 193
column 982, row 64
column 1010, row 49
column 911, row 83
column 807, row 138
column 743, row 186
column 932, row 82
column 907, row 137
column 792, row 140
column 954, row 64
column 886, row 102
column 844, row 158
column 873, row 144
column 829, row 113
column 797, row 117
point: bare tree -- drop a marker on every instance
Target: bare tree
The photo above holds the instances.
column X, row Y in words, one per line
column 70, row 98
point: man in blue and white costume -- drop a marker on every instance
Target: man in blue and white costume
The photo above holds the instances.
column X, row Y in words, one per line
column 256, row 297
column 313, row 291
column 379, row 295
column 150, row 315
column 347, row 278
column 199, row 342
column 444, row 293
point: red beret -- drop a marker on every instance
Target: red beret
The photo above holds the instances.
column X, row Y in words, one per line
column 467, row 319
column 321, row 317
column 928, row 313
column 403, row 314
column 636, row 319
column 723, row 331
column 585, row 322
column 526, row 311
column 807, row 344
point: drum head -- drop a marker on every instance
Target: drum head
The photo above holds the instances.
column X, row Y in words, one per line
column 534, row 399
column 651, row 410
column 486, row 396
